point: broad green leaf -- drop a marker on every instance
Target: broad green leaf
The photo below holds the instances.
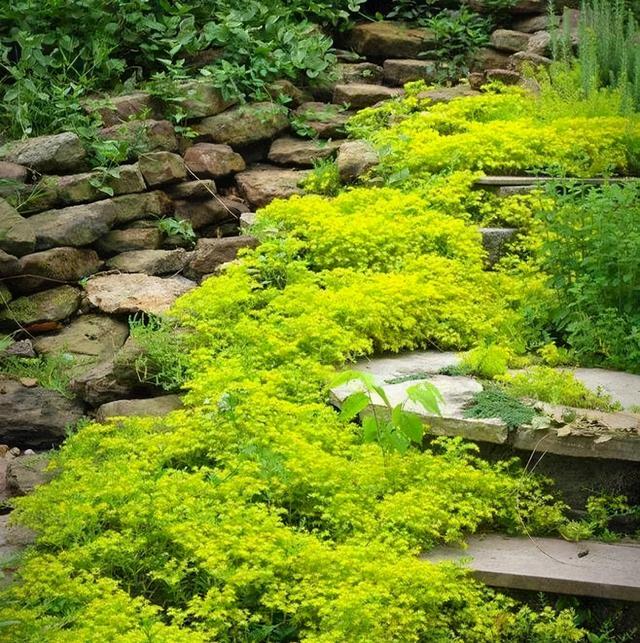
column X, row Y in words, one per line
column 427, row 395
column 370, row 429
column 399, row 442
column 353, row 404
column 412, row 427
column 349, row 376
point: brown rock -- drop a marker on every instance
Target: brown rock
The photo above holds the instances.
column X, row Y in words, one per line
column 52, row 154
column 35, row 417
column 359, row 96
column 359, row 73
column 244, row 125
column 506, row 76
column 531, row 24
column 517, row 7
column 101, row 384
column 522, row 59
column 116, row 241
column 355, row 158
column 447, row 94
column 13, row 172
column 143, row 136
column 52, row 305
column 17, row 236
column 510, row 40
column 150, row 262
column 399, row 72
column 211, row 160
column 9, row 265
column 540, row 43
column 161, row 167
column 133, row 207
column 199, row 98
column 385, row 39
column 200, row 189
column 302, row 152
column 212, row 253
column 285, row 89
column 120, row 109
column 121, row 294
column 489, row 58
column 51, row 267
column 27, row 472
column 202, row 213
column 262, row 184
column 323, row 120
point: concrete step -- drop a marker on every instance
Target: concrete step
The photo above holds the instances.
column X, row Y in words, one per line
column 587, row 568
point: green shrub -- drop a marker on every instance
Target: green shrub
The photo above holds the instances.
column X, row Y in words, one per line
column 589, row 248
column 494, row 402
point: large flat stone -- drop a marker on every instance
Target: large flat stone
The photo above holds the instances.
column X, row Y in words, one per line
column 210, row 254
column 143, row 136
column 301, row 152
column 622, row 387
column 359, row 95
column 150, row 262
column 121, row 294
column 587, row 568
column 152, row 406
column 53, row 305
column 52, row 154
column 261, row 185
column 386, row 39
column 399, row 72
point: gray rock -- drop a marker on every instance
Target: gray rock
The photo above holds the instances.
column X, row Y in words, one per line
column 154, row 406
column 158, row 168
column 143, row 136
column 301, row 152
column 496, row 241
column 540, row 43
column 359, row 96
column 150, row 262
column 9, row 265
column 201, row 189
column 522, row 59
column 531, row 24
column 133, row 207
column 354, row 159
column 210, row 254
column 101, row 384
column 17, row 236
column 199, row 98
column 323, row 120
column 51, row 267
column 489, row 58
column 244, row 125
column 34, row 416
column 384, row 39
column 89, row 339
column 22, row 348
column 248, row 220
column 203, row 213
column 121, row 109
column 13, row 172
column 119, row 294
column 81, row 188
column 56, row 304
column 517, row 7
column 510, row 40
column 399, row 72
column 261, row 185
column 52, row 154
column 208, row 160
column 285, row 89
column 447, row 94
column 360, row 73
column 116, row 241
column 27, row 472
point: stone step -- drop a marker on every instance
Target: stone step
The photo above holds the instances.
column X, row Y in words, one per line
column 589, row 568
column 508, row 185
column 360, row 95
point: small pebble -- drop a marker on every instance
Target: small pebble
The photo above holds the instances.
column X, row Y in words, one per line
column 28, row 452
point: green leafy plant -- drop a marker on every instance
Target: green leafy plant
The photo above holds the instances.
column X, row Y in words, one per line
column 494, row 402
column 179, row 228
column 51, row 371
column 393, row 428
column 323, row 179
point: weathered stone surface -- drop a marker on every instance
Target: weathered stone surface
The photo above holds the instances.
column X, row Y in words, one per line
column 495, row 242
column 401, row 71
column 476, row 79
column 506, row 76
column 22, row 348
column 52, row 154
column 80, row 188
column 489, row 58
column 17, row 236
column 325, row 121
column 354, row 159
column 121, row 294
column 133, row 207
column 447, row 94
column 248, row 220
column 120, row 109
column 89, row 339
column 302, row 152
column 360, row 73
column 359, row 96
column 213, row 160
column 150, row 262
column 522, row 59
column 101, row 384
column 201, row 189
column 34, row 416
column 199, row 98
column 161, row 167
column 153, row 406
column 77, row 225
column 56, row 304
column 9, row 265
column 540, row 43
column 203, row 213
column 531, row 24
column 13, row 172
column 518, row 7
column 27, row 472
column 117, row 241
column 261, row 185
column 623, row 387
column 510, row 40
column 385, row 39
column 209, row 254
column 50, row 267
column 285, row 89
column 244, row 125
column 143, row 136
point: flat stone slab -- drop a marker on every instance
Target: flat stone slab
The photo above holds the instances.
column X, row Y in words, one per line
column 587, row 568
column 622, row 387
